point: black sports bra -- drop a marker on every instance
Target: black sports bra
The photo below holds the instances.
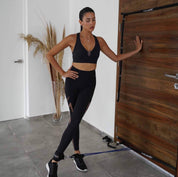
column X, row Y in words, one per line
column 81, row 55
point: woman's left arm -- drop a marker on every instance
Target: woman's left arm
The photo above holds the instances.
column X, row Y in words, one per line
column 108, row 52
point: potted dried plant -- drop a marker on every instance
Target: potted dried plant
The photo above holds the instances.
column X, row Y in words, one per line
column 43, row 47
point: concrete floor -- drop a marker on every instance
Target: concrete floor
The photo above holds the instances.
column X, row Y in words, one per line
column 27, row 144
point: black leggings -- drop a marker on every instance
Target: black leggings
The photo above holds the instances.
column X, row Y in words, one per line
column 79, row 94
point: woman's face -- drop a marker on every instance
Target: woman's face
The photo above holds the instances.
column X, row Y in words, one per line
column 88, row 22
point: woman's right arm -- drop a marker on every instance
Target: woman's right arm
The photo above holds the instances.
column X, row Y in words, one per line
column 66, row 42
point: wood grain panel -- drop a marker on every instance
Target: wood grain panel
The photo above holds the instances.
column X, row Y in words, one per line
column 148, row 105
column 147, row 143
column 156, row 96
column 135, row 5
column 147, row 113
column 154, row 124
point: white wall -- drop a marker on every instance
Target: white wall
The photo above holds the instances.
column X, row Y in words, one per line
column 40, row 94
column 101, row 112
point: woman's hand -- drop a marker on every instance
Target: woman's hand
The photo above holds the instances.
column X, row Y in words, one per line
column 71, row 74
column 138, row 43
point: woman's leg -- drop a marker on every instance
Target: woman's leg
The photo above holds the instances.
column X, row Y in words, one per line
column 83, row 100
column 71, row 92
column 75, row 139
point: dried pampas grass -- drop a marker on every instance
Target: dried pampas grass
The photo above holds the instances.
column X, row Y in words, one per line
column 43, row 47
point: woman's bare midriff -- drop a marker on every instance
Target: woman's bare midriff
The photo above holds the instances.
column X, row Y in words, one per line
column 84, row 66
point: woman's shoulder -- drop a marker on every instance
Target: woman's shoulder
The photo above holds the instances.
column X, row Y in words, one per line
column 72, row 36
column 70, row 39
column 100, row 40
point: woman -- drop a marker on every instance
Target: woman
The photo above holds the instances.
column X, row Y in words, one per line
column 80, row 81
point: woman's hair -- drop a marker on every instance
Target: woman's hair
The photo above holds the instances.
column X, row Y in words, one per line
column 83, row 12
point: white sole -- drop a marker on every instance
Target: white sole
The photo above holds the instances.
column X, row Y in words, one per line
column 79, row 168
column 47, row 167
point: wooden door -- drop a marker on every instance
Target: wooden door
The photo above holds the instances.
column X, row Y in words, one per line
column 146, row 116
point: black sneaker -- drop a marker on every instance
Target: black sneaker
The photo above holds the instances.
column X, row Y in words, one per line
column 52, row 169
column 79, row 162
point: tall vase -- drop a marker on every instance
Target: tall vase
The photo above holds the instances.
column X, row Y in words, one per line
column 56, row 94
